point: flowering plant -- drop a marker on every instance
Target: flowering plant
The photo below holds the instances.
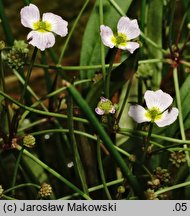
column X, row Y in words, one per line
column 126, row 31
column 158, row 109
column 42, row 34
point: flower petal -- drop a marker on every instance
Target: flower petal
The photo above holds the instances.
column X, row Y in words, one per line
column 106, row 35
column 58, row 25
column 128, row 27
column 41, row 40
column 158, row 99
column 168, row 117
column 130, row 46
column 29, row 15
column 99, row 111
column 138, row 112
column 112, row 111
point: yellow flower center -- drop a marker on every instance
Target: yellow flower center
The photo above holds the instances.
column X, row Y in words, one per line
column 42, row 26
column 119, row 40
column 154, row 114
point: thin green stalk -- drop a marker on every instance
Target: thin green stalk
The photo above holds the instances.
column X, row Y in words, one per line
column 51, row 95
column 94, row 67
column 41, row 121
column 185, row 63
column 78, row 163
column 108, row 74
column 124, row 101
column 143, row 14
column 53, row 172
column 118, row 9
column 21, row 186
column 16, row 117
column 133, row 182
column 181, row 125
column 6, row 26
column 101, row 169
column 102, row 49
column 72, row 68
column 95, row 188
column 185, row 184
column 29, row 89
column 93, row 137
column 147, row 141
column 2, row 87
column 152, row 43
column 52, row 114
column 71, row 32
column 5, row 197
column 29, row 73
column 16, row 169
column 128, row 131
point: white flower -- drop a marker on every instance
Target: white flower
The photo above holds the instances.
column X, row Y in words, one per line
column 105, row 106
column 158, row 109
column 126, row 30
column 42, row 35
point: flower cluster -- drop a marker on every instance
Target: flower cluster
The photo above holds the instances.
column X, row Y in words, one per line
column 16, row 57
column 177, row 158
column 45, row 190
column 158, row 109
column 42, row 34
column 126, row 31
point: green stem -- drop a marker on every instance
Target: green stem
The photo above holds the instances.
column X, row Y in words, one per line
column 124, row 101
column 147, row 141
column 102, row 50
column 127, row 131
column 71, row 32
column 29, row 73
column 181, row 125
column 41, row 121
column 37, row 133
column 7, row 197
column 3, row 88
column 100, row 165
column 108, row 74
column 52, row 114
column 78, row 162
column 29, row 89
column 185, row 184
column 106, row 139
column 5, row 24
column 53, row 172
column 94, row 67
column 16, row 169
column 21, row 186
column 51, row 95
column 98, row 187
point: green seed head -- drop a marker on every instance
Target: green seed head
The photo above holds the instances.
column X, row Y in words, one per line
column 29, row 141
column 45, row 190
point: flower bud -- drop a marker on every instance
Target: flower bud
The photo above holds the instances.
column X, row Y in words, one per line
column 29, row 141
